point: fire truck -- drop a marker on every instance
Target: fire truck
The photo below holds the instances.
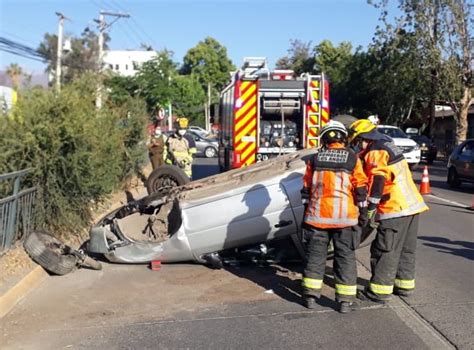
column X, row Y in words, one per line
column 267, row 113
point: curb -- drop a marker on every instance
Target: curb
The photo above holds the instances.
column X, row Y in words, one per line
column 32, row 280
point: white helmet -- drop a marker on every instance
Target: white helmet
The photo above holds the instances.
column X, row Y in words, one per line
column 338, row 134
column 374, row 119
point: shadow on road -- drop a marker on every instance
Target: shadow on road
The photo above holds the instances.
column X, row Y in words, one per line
column 464, row 249
column 464, row 188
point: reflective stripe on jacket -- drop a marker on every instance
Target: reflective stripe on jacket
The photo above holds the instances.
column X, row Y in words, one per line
column 391, row 184
column 180, row 149
column 336, row 182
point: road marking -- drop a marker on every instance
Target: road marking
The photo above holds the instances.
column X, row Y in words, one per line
column 447, row 200
column 211, row 318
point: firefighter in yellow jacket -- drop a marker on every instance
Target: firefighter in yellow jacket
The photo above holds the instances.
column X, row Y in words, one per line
column 393, row 201
column 180, row 148
column 334, row 188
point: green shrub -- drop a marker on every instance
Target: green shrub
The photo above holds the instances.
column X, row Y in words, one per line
column 77, row 155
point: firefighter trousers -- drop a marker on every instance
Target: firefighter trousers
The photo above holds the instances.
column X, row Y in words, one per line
column 345, row 241
column 392, row 255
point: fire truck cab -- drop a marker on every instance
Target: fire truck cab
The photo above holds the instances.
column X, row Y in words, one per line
column 267, row 113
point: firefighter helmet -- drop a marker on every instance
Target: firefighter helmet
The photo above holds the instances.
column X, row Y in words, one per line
column 374, row 119
column 360, row 127
column 183, row 123
column 333, row 131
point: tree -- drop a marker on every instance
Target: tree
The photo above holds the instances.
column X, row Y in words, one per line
column 188, row 98
column 14, row 72
column 209, row 63
column 441, row 31
column 82, row 58
column 336, row 63
column 299, row 59
column 154, row 80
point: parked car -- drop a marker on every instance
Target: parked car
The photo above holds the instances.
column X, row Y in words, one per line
column 194, row 222
column 205, row 147
column 198, row 130
column 428, row 149
column 461, row 164
column 410, row 148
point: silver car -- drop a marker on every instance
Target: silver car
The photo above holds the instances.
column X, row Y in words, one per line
column 240, row 207
column 205, row 147
column 193, row 222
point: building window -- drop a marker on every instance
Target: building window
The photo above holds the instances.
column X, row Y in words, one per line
column 135, row 65
column 111, row 66
column 126, row 67
column 116, row 67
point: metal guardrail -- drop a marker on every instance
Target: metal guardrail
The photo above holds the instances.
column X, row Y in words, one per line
column 16, row 211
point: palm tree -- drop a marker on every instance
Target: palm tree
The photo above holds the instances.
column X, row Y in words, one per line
column 14, row 71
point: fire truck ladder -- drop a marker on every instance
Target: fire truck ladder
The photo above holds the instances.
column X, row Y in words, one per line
column 313, row 110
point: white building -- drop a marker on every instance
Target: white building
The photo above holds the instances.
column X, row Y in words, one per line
column 126, row 63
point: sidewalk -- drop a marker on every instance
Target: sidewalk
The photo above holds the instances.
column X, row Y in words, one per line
column 20, row 275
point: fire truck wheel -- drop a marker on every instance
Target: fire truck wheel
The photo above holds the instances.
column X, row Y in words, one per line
column 210, row 152
column 49, row 252
column 165, row 177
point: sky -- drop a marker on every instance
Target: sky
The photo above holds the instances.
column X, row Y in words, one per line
column 244, row 27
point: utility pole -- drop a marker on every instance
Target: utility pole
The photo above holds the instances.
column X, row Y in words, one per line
column 208, row 114
column 102, row 27
column 170, row 110
column 59, row 49
column 434, row 72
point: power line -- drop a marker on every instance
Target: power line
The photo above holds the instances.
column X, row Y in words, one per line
column 136, row 23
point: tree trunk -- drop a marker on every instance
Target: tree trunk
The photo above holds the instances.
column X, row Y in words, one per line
column 461, row 115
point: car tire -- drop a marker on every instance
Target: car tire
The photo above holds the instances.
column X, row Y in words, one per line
column 210, row 152
column 453, row 178
column 44, row 249
column 165, row 177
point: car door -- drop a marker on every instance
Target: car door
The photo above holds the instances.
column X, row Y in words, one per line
column 465, row 161
column 241, row 216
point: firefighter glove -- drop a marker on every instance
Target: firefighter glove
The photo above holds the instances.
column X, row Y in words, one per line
column 371, row 213
column 363, row 217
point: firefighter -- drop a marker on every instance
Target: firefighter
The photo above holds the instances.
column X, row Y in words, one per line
column 394, row 202
column 180, row 148
column 156, row 148
column 334, row 186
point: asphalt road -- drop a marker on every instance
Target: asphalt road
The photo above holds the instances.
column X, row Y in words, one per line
column 190, row 306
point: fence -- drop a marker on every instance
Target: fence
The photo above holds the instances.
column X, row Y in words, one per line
column 16, row 210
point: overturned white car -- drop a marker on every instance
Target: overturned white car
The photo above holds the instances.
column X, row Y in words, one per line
column 193, row 222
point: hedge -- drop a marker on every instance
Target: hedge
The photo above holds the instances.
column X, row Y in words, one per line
column 77, row 155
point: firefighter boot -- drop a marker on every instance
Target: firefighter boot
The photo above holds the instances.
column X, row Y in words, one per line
column 403, row 292
column 368, row 295
column 310, row 297
column 310, row 302
column 346, row 306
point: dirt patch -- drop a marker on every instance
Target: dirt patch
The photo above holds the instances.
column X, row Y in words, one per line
column 14, row 265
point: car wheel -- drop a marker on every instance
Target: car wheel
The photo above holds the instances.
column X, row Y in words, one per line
column 165, row 177
column 453, row 178
column 210, row 152
column 50, row 253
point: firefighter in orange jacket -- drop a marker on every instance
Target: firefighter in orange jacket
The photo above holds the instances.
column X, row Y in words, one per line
column 394, row 201
column 334, row 187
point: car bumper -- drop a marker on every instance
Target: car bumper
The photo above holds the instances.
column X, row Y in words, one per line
column 413, row 157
